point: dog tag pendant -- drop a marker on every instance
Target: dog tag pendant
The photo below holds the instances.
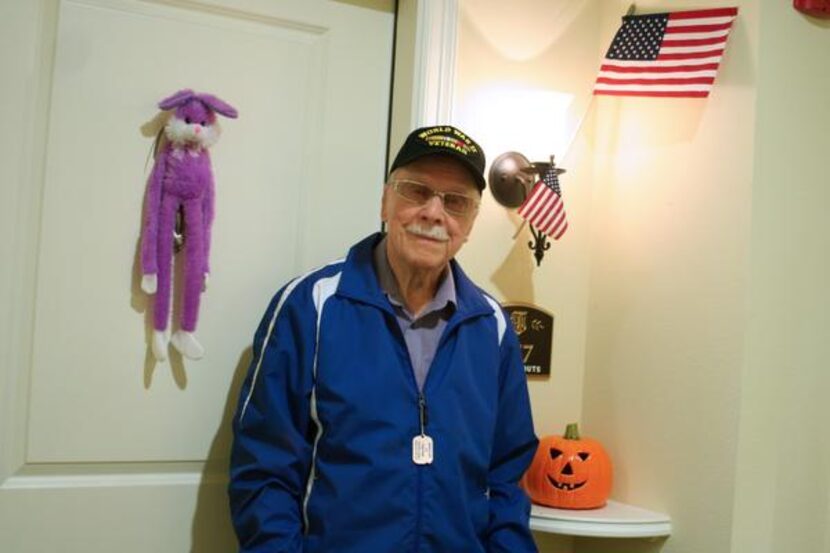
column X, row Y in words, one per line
column 422, row 444
column 422, row 450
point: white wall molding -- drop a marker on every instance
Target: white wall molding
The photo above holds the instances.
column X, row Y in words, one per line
column 101, row 481
column 436, row 43
column 114, row 475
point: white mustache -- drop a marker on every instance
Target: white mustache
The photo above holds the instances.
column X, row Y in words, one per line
column 435, row 233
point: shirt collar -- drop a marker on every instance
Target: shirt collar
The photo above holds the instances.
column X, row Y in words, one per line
column 444, row 295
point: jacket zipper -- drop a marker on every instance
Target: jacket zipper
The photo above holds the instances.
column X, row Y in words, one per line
column 422, row 419
column 422, row 412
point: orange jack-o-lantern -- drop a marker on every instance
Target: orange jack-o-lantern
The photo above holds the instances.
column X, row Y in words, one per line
column 569, row 473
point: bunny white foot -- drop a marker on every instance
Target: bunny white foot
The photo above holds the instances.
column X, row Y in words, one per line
column 159, row 345
column 187, row 344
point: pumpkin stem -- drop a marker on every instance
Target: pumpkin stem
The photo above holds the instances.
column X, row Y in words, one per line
column 572, row 431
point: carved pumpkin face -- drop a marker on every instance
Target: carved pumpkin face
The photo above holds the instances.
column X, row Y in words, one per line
column 569, row 473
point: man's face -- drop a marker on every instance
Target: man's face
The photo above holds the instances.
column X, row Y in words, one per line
column 425, row 237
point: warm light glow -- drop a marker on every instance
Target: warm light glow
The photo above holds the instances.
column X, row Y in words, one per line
column 507, row 117
column 522, row 30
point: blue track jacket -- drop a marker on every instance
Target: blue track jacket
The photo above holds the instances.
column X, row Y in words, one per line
column 322, row 453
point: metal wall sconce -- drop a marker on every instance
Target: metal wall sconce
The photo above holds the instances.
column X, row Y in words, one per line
column 511, row 179
column 510, row 182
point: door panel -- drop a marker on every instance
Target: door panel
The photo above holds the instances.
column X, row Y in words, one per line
column 90, row 383
column 121, row 450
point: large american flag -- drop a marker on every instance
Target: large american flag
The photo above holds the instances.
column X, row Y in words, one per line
column 543, row 207
column 666, row 54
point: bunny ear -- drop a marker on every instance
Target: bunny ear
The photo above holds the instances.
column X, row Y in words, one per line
column 176, row 99
column 218, row 105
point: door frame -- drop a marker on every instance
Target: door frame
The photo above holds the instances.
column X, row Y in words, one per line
column 426, row 41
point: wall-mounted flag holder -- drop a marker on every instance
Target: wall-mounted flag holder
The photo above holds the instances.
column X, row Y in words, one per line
column 533, row 188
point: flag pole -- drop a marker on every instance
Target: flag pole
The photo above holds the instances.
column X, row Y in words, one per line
column 632, row 8
column 573, row 138
column 524, row 222
column 579, row 127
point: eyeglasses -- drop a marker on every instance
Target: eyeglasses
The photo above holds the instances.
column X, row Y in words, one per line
column 455, row 204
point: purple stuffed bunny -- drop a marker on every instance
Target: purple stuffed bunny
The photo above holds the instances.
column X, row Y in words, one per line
column 181, row 179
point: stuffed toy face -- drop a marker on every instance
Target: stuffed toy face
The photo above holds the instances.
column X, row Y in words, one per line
column 193, row 125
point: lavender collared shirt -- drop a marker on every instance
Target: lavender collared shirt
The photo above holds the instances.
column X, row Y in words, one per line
column 422, row 333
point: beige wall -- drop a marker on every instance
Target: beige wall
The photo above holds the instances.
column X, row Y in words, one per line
column 403, row 80
column 669, row 271
column 691, row 291
column 782, row 500
column 523, row 84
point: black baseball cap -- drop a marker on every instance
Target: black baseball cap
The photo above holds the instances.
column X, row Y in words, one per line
column 443, row 140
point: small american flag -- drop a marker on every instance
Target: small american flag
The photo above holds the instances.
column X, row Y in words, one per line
column 543, row 207
column 666, row 54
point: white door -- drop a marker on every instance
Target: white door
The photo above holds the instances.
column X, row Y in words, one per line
column 102, row 448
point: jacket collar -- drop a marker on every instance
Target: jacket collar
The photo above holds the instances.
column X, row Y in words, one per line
column 359, row 282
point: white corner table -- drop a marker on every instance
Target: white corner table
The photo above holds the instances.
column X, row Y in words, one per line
column 615, row 520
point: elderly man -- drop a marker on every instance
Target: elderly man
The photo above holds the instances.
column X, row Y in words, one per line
column 386, row 407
